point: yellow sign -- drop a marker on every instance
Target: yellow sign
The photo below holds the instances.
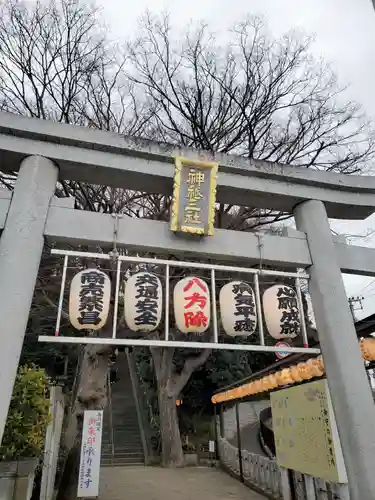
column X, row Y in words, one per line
column 305, row 431
column 194, row 197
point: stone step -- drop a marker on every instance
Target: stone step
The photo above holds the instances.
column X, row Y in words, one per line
column 129, row 460
column 105, row 462
column 119, row 424
column 129, row 416
column 123, row 423
column 130, row 429
column 126, row 402
column 124, row 455
column 122, row 444
column 123, row 449
column 122, row 433
column 121, row 430
column 121, row 410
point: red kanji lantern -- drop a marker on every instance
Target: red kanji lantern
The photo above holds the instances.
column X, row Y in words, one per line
column 192, row 305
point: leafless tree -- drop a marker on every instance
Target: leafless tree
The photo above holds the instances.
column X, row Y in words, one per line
column 256, row 97
column 251, row 96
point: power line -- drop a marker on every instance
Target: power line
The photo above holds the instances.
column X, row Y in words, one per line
column 372, row 282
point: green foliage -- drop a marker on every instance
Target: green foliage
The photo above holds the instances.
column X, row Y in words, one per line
column 197, row 430
column 28, row 415
column 222, row 368
column 51, row 357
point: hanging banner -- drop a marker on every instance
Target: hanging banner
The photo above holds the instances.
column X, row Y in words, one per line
column 143, row 302
column 237, row 309
column 194, row 197
column 281, row 312
column 89, row 299
column 192, row 305
column 89, row 465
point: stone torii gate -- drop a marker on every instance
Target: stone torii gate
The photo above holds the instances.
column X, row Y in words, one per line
column 43, row 152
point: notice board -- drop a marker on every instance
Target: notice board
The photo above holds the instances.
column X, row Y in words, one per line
column 305, row 431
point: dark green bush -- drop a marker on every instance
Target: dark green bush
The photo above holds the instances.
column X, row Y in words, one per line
column 28, row 415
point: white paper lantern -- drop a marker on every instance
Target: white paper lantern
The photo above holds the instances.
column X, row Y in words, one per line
column 281, row 312
column 143, row 302
column 237, row 309
column 192, row 305
column 90, row 293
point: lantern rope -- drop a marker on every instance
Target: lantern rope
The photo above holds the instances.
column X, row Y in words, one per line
column 114, row 254
column 260, row 247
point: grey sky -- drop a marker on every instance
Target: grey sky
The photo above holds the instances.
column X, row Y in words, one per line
column 345, row 37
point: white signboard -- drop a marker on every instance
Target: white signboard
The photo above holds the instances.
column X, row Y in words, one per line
column 89, row 466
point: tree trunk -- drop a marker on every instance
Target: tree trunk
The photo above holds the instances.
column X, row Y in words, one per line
column 169, row 386
column 69, row 479
column 172, row 454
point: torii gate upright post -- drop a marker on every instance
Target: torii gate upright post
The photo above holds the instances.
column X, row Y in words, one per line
column 21, row 246
column 347, row 380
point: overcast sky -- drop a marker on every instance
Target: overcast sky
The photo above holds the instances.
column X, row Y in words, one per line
column 345, row 36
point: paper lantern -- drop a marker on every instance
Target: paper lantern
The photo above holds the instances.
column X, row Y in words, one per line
column 90, row 293
column 143, row 302
column 281, row 312
column 273, row 380
column 368, row 349
column 266, row 384
column 248, row 388
column 314, row 368
column 192, row 305
column 321, row 363
column 286, row 376
column 295, row 374
column 237, row 309
column 304, row 371
column 251, row 388
column 257, row 386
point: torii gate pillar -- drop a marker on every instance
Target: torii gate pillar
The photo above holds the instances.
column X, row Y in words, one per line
column 21, row 246
column 350, row 391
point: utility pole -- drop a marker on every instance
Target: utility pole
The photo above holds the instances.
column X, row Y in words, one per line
column 355, row 300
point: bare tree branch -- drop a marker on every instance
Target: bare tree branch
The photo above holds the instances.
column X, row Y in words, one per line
column 180, row 380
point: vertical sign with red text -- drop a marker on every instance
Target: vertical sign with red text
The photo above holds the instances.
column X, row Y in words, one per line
column 89, row 467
